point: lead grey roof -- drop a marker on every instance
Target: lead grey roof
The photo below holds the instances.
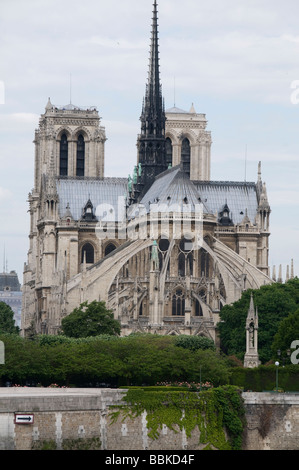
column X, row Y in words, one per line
column 105, row 195
column 241, row 197
column 9, row 282
column 169, row 188
column 172, row 189
column 172, row 186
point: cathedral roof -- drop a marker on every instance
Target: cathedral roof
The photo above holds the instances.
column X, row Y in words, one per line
column 103, row 193
column 240, row 197
column 9, row 282
column 173, row 188
column 176, row 110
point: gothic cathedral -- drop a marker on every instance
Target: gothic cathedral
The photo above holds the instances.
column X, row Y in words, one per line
column 165, row 248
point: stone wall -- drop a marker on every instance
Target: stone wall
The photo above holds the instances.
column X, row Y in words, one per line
column 83, row 416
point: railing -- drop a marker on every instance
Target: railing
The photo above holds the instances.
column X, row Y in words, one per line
column 237, row 229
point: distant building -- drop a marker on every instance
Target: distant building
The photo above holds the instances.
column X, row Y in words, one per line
column 10, row 293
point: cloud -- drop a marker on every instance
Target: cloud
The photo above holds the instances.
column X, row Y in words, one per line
column 235, row 59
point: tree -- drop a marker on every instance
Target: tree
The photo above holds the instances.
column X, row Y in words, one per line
column 288, row 331
column 90, row 320
column 194, row 342
column 274, row 303
column 7, row 323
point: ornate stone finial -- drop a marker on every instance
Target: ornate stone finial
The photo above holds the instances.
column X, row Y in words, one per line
column 192, row 109
column 259, row 172
column 49, row 105
column 280, row 274
column 251, row 358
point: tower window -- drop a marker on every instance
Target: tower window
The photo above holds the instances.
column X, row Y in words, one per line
column 168, row 148
column 63, row 166
column 88, row 252
column 80, row 156
column 185, row 155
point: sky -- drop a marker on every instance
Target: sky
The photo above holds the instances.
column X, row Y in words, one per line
column 237, row 61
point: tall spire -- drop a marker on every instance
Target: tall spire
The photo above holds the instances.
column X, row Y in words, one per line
column 153, row 91
column 151, row 141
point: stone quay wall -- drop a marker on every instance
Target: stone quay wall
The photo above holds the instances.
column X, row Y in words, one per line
column 83, row 415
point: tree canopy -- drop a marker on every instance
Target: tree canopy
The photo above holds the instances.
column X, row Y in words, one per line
column 274, row 302
column 7, row 322
column 90, row 319
column 288, row 331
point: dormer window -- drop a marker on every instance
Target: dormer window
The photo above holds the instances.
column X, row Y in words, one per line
column 88, row 211
column 225, row 218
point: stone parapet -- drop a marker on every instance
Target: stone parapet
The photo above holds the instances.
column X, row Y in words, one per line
column 84, row 415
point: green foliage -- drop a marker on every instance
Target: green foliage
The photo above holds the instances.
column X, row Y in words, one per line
column 263, row 378
column 194, row 342
column 213, row 412
column 83, row 443
column 288, row 331
column 7, row 323
column 86, row 443
column 44, row 445
column 274, row 302
column 132, row 360
column 90, row 320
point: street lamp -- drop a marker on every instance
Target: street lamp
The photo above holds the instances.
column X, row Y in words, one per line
column 277, row 364
column 288, row 351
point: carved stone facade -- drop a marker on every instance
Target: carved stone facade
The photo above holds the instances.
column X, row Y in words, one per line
column 166, row 255
column 190, row 142
column 79, row 251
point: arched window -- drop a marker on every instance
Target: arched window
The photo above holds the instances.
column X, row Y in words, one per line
column 109, row 248
column 178, row 303
column 163, row 248
column 80, row 156
column 190, row 264
column 198, row 309
column 63, row 155
column 204, row 263
column 168, row 148
column 185, row 155
column 181, row 265
column 88, row 252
